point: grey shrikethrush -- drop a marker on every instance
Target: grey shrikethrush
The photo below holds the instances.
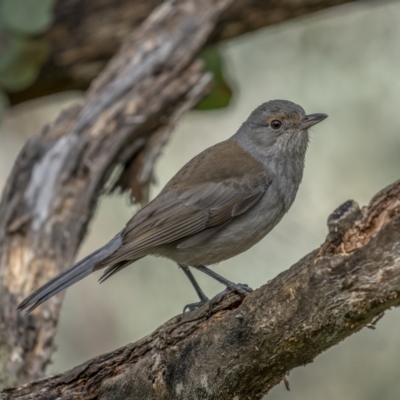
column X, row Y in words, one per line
column 221, row 203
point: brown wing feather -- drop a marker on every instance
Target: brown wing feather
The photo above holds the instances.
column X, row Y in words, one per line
column 201, row 236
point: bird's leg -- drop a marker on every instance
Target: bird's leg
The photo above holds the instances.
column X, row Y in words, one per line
column 193, row 281
column 203, row 298
column 236, row 287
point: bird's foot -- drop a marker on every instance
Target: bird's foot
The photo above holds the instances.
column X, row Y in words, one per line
column 195, row 306
column 240, row 288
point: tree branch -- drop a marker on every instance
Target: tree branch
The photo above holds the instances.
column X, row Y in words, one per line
column 242, row 348
column 86, row 34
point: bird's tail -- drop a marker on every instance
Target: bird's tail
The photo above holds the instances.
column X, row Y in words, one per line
column 67, row 278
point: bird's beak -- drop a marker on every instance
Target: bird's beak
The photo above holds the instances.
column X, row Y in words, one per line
column 311, row 120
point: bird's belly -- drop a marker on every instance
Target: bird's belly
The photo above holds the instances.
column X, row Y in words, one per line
column 238, row 236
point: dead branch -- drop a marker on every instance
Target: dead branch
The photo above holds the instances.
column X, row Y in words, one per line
column 239, row 349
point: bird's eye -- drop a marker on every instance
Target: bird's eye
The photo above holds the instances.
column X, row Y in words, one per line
column 276, row 124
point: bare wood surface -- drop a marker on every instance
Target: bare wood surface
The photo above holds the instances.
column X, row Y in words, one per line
column 125, row 119
column 86, row 34
column 239, row 349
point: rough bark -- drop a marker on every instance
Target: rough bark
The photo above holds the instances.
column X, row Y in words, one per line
column 49, row 199
column 86, row 33
column 240, row 348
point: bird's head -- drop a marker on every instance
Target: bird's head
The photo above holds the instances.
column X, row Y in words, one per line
column 279, row 125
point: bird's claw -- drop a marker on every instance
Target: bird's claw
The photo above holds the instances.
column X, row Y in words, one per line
column 194, row 306
column 241, row 288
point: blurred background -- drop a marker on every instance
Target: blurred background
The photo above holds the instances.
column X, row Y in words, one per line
column 344, row 62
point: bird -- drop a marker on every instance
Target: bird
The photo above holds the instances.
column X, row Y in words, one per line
column 218, row 205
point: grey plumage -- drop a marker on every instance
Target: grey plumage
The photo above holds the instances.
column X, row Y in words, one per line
column 218, row 205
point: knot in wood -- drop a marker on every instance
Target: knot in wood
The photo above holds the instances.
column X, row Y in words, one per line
column 344, row 217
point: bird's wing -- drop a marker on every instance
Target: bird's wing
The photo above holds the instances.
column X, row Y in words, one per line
column 192, row 207
column 193, row 214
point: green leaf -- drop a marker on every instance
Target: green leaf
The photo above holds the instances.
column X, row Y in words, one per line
column 10, row 48
column 3, row 103
column 25, row 66
column 219, row 97
column 221, row 92
column 27, row 16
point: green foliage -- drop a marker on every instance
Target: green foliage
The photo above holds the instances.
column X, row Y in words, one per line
column 22, row 56
column 221, row 93
column 22, row 61
column 26, row 16
column 3, row 103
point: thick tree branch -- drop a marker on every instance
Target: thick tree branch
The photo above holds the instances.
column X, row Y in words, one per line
column 239, row 348
column 86, row 34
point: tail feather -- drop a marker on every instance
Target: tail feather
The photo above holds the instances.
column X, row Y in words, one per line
column 113, row 269
column 72, row 275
